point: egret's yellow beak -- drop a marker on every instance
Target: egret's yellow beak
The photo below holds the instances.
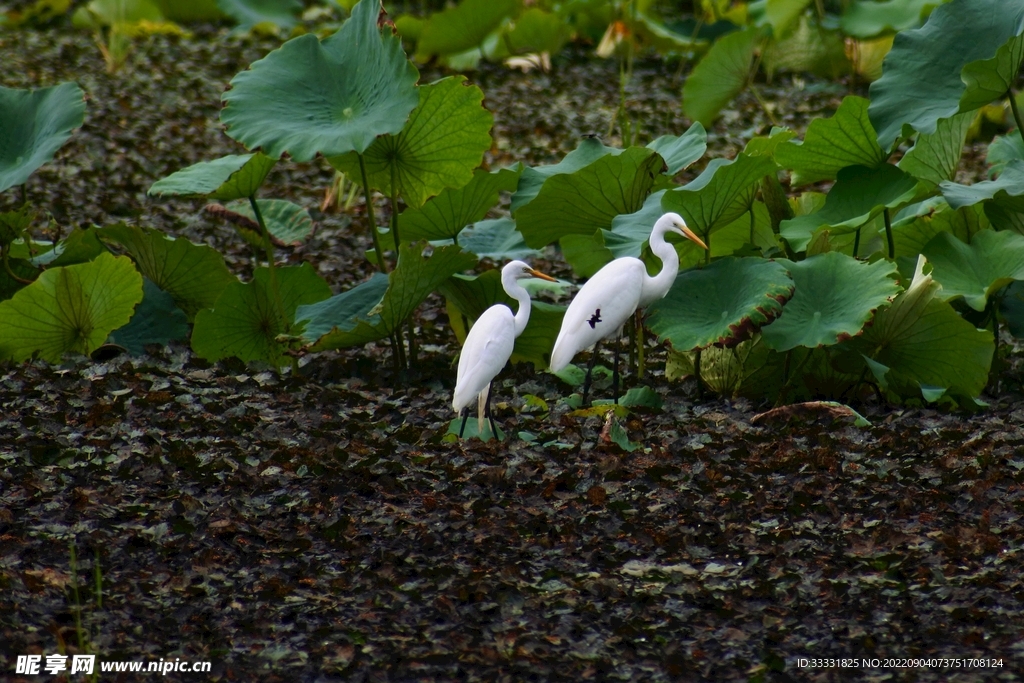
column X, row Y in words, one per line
column 542, row 276
column 691, row 235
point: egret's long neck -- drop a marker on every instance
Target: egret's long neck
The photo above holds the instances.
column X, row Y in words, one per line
column 656, row 287
column 522, row 316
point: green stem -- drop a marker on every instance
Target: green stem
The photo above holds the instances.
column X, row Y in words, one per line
column 1016, row 113
column 381, row 263
column 751, row 210
column 268, row 249
column 7, row 267
column 394, row 207
column 856, row 243
column 888, row 233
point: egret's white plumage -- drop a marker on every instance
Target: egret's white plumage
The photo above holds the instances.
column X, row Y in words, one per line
column 490, row 342
column 605, row 302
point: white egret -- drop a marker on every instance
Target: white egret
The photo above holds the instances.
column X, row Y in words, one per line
column 489, row 345
column 614, row 293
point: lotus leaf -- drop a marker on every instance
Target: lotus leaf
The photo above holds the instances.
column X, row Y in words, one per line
column 921, row 80
column 720, row 75
column 722, row 304
column 720, row 194
column 246, row 319
column 860, row 194
column 310, row 97
column 443, row 141
column 444, row 216
column 846, row 139
column 835, row 297
column 69, row 309
column 234, row 176
column 157, row 320
column 331, row 326
column 578, row 203
column 194, row 274
column 33, row 126
column 977, row 270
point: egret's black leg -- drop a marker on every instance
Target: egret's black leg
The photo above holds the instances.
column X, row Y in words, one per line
column 590, row 370
column 487, row 411
column 615, row 371
column 465, row 416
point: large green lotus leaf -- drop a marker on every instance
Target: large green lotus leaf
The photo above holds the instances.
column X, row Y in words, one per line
column 809, row 47
column 462, row 27
column 157, row 320
column 846, row 139
column 921, row 78
column 935, row 156
column 537, row 31
column 919, row 344
column 70, row 309
column 720, row 75
column 652, row 35
column 722, row 304
column 720, row 194
column 782, row 13
column 331, row 97
column 287, row 222
column 444, row 216
column 33, row 126
column 235, row 176
column 1002, row 150
column 835, row 297
column 977, row 270
column 679, row 151
column 911, row 236
column 1009, row 184
column 246, row 319
column 533, row 178
column 870, row 18
column 1011, row 307
column 990, row 79
column 588, row 199
column 497, row 240
column 859, row 194
column 587, row 254
column 443, row 141
column 766, row 145
column 194, row 274
column 249, row 13
column 344, row 311
column 409, row 284
column 628, row 236
column 735, row 236
column 467, row 297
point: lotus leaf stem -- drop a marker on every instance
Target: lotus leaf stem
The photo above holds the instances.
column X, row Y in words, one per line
column 268, row 248
column 7, row 267
column 1016, row 113
column 888, row 232
column 381, row 263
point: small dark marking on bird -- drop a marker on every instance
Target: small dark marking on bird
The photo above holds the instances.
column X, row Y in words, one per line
column 594, row 319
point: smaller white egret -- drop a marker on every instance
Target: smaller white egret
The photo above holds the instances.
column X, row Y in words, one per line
column 605, row 302
column 489, row 345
